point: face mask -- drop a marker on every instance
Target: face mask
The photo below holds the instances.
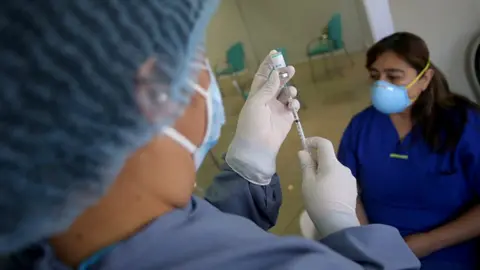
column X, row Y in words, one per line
column 215, row 119
column 389, row 98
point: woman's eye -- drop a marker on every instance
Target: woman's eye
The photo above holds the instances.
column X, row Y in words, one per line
column 374, row 76
column 393, row 78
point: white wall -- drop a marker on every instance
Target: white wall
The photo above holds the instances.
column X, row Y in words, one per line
column 282, row 23
column 364, row 28
column 379, row 18
column 225, row 29
column 448, row 27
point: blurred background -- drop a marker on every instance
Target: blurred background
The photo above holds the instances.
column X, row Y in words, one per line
column 326, row 41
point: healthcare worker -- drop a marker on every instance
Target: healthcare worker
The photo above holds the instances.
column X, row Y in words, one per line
column 416, row 155
column 108, row 109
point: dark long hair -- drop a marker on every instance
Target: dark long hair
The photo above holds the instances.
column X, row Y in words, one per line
column 439, row 114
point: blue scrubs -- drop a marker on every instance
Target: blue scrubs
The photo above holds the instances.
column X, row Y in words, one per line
column 201, row 236
column 405, row 185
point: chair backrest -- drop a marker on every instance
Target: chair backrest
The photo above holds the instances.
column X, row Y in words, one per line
column 335, row 30
column 236, row 57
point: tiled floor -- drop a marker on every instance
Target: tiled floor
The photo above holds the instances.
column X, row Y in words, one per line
column 330, row 102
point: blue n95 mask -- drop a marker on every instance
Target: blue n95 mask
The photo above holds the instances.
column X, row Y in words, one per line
column 389, row 98
column 215, row 119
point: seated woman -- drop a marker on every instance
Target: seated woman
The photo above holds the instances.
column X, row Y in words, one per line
column 416, row 155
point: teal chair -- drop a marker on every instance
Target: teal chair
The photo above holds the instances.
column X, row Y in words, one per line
column 330, row 41
column 234, row 64
column 235, row 60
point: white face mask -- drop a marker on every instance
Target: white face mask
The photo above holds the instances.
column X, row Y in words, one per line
column 215, row 118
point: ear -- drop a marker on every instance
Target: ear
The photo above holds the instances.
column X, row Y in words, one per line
column 427, row 78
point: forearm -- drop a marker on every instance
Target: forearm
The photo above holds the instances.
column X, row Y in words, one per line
column 374, row 247
column 360, row 210
column 462, row 229
column 232, row 194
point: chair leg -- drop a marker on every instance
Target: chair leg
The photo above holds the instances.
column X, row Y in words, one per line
column 325, row 62
column 336, row 67
column 236, row 85
column 348, row 55
column 221, row 91
column 312, row 70
column 241, row 88
column 331, row 54
column 302, row 104
column 215, row 161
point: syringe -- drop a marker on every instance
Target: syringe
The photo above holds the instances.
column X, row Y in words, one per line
column 294, row 105
column 279, row 63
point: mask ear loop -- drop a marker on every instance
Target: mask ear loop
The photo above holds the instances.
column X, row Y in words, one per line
column 199, row 190
column 178, row 137
column 199, row 65
column 205, row 95
column 199, row 89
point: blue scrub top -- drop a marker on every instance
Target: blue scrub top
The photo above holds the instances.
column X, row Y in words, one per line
column 405, row 185
column 201, row 236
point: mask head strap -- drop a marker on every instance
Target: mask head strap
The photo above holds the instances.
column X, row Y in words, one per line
column 198, row 88
column 419, row 75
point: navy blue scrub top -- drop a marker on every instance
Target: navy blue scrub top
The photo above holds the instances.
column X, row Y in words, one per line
column 406, row 185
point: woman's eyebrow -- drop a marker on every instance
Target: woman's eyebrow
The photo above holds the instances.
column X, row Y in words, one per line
column 394, row 70
column 390, row 70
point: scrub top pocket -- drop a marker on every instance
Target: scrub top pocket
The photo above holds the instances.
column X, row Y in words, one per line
column 445, row 191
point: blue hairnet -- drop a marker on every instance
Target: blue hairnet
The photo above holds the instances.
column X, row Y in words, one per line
column 69, row 113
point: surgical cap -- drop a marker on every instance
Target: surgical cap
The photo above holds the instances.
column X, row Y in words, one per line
column 69, row 110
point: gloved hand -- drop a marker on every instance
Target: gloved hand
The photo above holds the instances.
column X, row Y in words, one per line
column 262, row 126
column 329, row 189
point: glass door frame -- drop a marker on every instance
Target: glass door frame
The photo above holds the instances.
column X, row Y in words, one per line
column 473, row 63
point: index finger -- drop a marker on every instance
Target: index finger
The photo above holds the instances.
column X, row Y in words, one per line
column 266, row 66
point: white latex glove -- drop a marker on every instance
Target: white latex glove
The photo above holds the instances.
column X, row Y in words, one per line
column 307, row 228
column 262, row 126
column 329, row 190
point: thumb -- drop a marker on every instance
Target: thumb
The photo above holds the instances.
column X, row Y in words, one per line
column 270, row 89
column 307, row 164
column 325, row 152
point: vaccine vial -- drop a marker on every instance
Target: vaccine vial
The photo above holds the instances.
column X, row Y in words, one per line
column 279, row 64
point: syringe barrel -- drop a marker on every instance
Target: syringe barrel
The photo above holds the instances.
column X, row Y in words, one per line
column 301, row 134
